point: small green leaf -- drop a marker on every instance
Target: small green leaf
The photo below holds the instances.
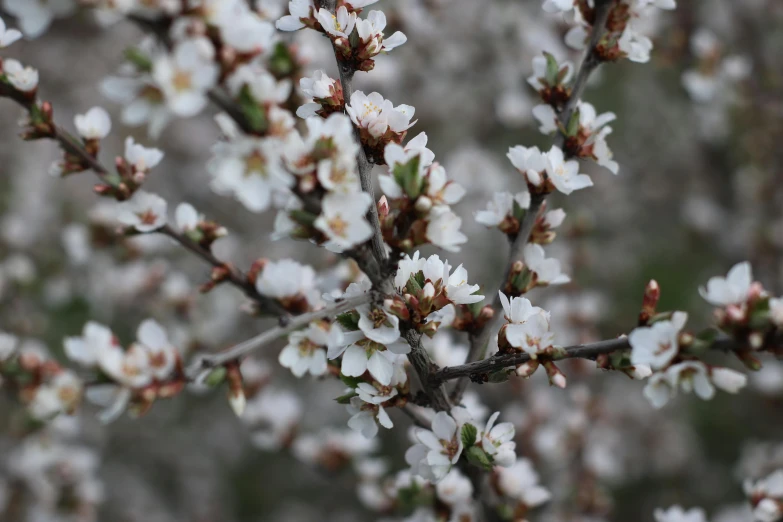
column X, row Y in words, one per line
column 468, row 435
column 573, row 124
column 345, row 399
column 255, row 113
column 139, row 59
column 302, row 217
column 414, row 286
column 354, row 39
column 552, row 69
column 349, row 320
column 216, row 377
column 281, row 63
column 478, row 457
column 351, row 382
column 407, row 177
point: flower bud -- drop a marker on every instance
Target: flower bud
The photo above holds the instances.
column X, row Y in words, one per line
column 423, row 204
column 556, row 377
column 528, row 368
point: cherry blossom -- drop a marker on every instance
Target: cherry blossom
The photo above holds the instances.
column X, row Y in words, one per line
column 437, row 450
column 657, row 345
column 186, row 75
column 521, row 482
column 678, row 514
column 342, row 220
column 547, row 271
column 730, row 290
column 144, row 211
column 95, row 124
column 35, row 16
column 24, row 79
column 8, row 36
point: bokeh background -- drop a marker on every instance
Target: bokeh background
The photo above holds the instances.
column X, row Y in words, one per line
column 699, row 189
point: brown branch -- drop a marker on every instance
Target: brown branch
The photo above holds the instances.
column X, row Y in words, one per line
column 480, row 339
column 73, row 146
column 476, row 370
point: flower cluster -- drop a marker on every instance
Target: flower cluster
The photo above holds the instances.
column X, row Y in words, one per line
column 766, row 496
column 327, row 95
column 380, row 123
column 623, row 37
column 357, row 41
column 148, row 369
column 419, row 198
column 545, row 172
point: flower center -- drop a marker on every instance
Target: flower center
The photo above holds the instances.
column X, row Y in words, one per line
column 148, row 217
column 182, row 81
column 338, row 226
column 255, row 163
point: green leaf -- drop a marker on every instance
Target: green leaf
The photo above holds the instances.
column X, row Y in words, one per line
column 468, row 435
column 302, row 217
column 407, row 177
column 139, row 59
column 255, row 113
column 552, row 69
column 353, row 39
column 478, row 457
column 573, row 124
column 216, row 377
column 281, row 63
column 414, row 286
column 349, row 320
column 345, row 399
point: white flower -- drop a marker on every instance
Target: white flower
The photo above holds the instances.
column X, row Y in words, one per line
column 692, row 376
column 438, row 450
column 288, row 279
column 377, row 115
column 635, row 45
column 770, row 491
column 378, row 325
column 362, row 357
column 528, row 327
column 343, row 220
column 94, row 125
column 498, row 441
column 728, row 380
column 84, row 350
column 319, row 86
column 300, row 10
column 459, row 291
column 659, row 390
column 264, row 88
column 406, row 267
column 338, row 25
column 547, row 270
column 273, row 416
column 60, row 395
column 8, row 36
column 129, row 368
column 520, row 481
column 768, row 510
column 776, row 310
column 554, row 218
column 249, row 33
column 553, row 6
column 658, row 344
column 730, row 290
column 144, row 211
column 455, row 488
column 678, row 514
column 161, row 353
column 8, row 346
column 547, row 118
column 186, row 75
column 141, row 158
column 139, row 100
column 250, row 169
column 35, row 16
column 186, row 217
column 366, row 409
column 501, row 207
column 306, row 350
column 443, row 229
column 370, row 33
column 529, row 161
column 564, row 175
column 24, row 79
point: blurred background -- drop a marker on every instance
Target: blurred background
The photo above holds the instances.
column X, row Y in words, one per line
column 698, row 139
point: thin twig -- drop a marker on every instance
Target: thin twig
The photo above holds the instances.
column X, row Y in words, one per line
column 480, row 339
column 73, row 146
column 496, row 363
column 242, row 349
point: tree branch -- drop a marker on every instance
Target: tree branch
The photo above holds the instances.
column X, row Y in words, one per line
column 480, row 339
column 293, row 324
column 73, row 145
column 580, row 351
